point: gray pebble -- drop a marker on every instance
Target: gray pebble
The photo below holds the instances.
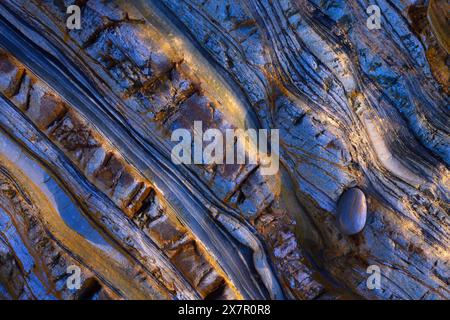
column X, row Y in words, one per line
column 352, row 211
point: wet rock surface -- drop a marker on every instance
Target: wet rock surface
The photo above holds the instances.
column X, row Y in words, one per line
column 354, row 107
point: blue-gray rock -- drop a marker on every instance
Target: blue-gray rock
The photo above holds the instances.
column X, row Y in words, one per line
column 352, row 211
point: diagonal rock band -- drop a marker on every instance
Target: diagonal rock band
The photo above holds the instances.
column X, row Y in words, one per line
column 223, row 150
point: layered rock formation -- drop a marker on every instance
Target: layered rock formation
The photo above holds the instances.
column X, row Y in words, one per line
column 87, row 178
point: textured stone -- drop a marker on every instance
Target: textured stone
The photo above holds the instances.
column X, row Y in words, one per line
column 352, row 106
column 44, row 107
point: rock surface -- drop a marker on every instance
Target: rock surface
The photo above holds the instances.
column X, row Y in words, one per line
column 91, row 112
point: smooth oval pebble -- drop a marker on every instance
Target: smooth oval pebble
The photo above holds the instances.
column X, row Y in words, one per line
column 352, row 211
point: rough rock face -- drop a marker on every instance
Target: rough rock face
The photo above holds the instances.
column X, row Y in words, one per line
column 87, row 178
